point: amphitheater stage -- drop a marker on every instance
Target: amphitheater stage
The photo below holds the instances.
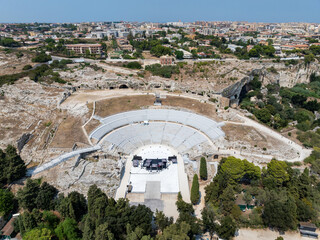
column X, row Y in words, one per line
column 170, row 180
column 167, row 179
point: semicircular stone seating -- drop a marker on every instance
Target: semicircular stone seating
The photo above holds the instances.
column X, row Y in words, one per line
column 179, row 129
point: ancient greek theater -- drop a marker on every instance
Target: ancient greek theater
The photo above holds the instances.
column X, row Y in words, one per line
column 151, row 149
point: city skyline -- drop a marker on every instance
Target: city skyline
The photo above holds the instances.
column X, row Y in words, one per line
column 187, row 11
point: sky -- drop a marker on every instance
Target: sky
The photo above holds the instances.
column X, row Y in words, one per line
column 159, row 10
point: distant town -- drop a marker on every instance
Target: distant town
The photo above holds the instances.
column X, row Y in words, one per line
column 183, row 40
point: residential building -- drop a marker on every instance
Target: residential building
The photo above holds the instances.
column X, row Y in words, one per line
column 83, row 48
column 167, row 60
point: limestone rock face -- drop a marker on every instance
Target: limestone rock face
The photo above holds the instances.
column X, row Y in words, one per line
column 284, row 76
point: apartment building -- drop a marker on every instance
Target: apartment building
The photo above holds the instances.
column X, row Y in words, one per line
column 82, row 48
column 167, row 60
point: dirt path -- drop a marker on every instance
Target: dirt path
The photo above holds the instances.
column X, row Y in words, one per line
column 198, row 208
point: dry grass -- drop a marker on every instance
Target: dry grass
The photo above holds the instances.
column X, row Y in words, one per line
column 68, row 133
column 196, row 106
column 112, row 106
column 93, row 124
column 11, row 64
column 244, row 133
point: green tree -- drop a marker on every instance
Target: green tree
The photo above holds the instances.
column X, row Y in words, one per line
column 27, row 67
column 276, row 174
column 280, row 214
column 141, row 216
column 236, row 212
column 88, row 228
column 209, row 220
column 247, row 197
column 195, row 190
column 162, row 71
column 179, row 55
column 309, row 58
column 203, row 169
column 68, row 230
column 227, row 228
column 263, row 115
column 28, row 221
column 252, row 172
column 232, row 168
column 74, row 206
column 160, row 50
column 175, row 232
column 6, row 202
column 186, row 214
column 27, row 196
column 49, row 220
column 93, row 193
column 162, row 221
column 103, row 233
column 133, row 65
column 12, row 167
column 227, row 200
column 137, row 234
column 41, row 58
column 46, row 195
column 253, row 53
column 38, row 234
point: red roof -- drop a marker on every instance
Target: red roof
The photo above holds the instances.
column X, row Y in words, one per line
column 8, row 228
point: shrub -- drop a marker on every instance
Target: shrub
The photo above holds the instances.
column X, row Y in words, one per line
column 12, row 166
column 27, row 67
column 195, row 190
column 11, row 78
column 162, row 71
column 133, row 65
column 263, row 115
column 304, row 126
column 203, row 169
column 272, row 70
column 9, row 42
column 41, row 58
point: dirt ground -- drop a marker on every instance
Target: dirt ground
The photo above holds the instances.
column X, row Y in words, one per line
column 244, row 133
column 10, row 63
column 115, row 105
column 69, row 132
column 206, row 109
column 112, row 106
column 93, row 124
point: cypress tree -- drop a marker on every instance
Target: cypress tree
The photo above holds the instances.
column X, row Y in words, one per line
column 203, row 169
column 195, row 190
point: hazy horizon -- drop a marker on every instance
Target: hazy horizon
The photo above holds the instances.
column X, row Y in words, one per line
column 58, row 11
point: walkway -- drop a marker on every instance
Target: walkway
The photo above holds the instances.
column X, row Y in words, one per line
column 60, row 159
column 122, row 190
